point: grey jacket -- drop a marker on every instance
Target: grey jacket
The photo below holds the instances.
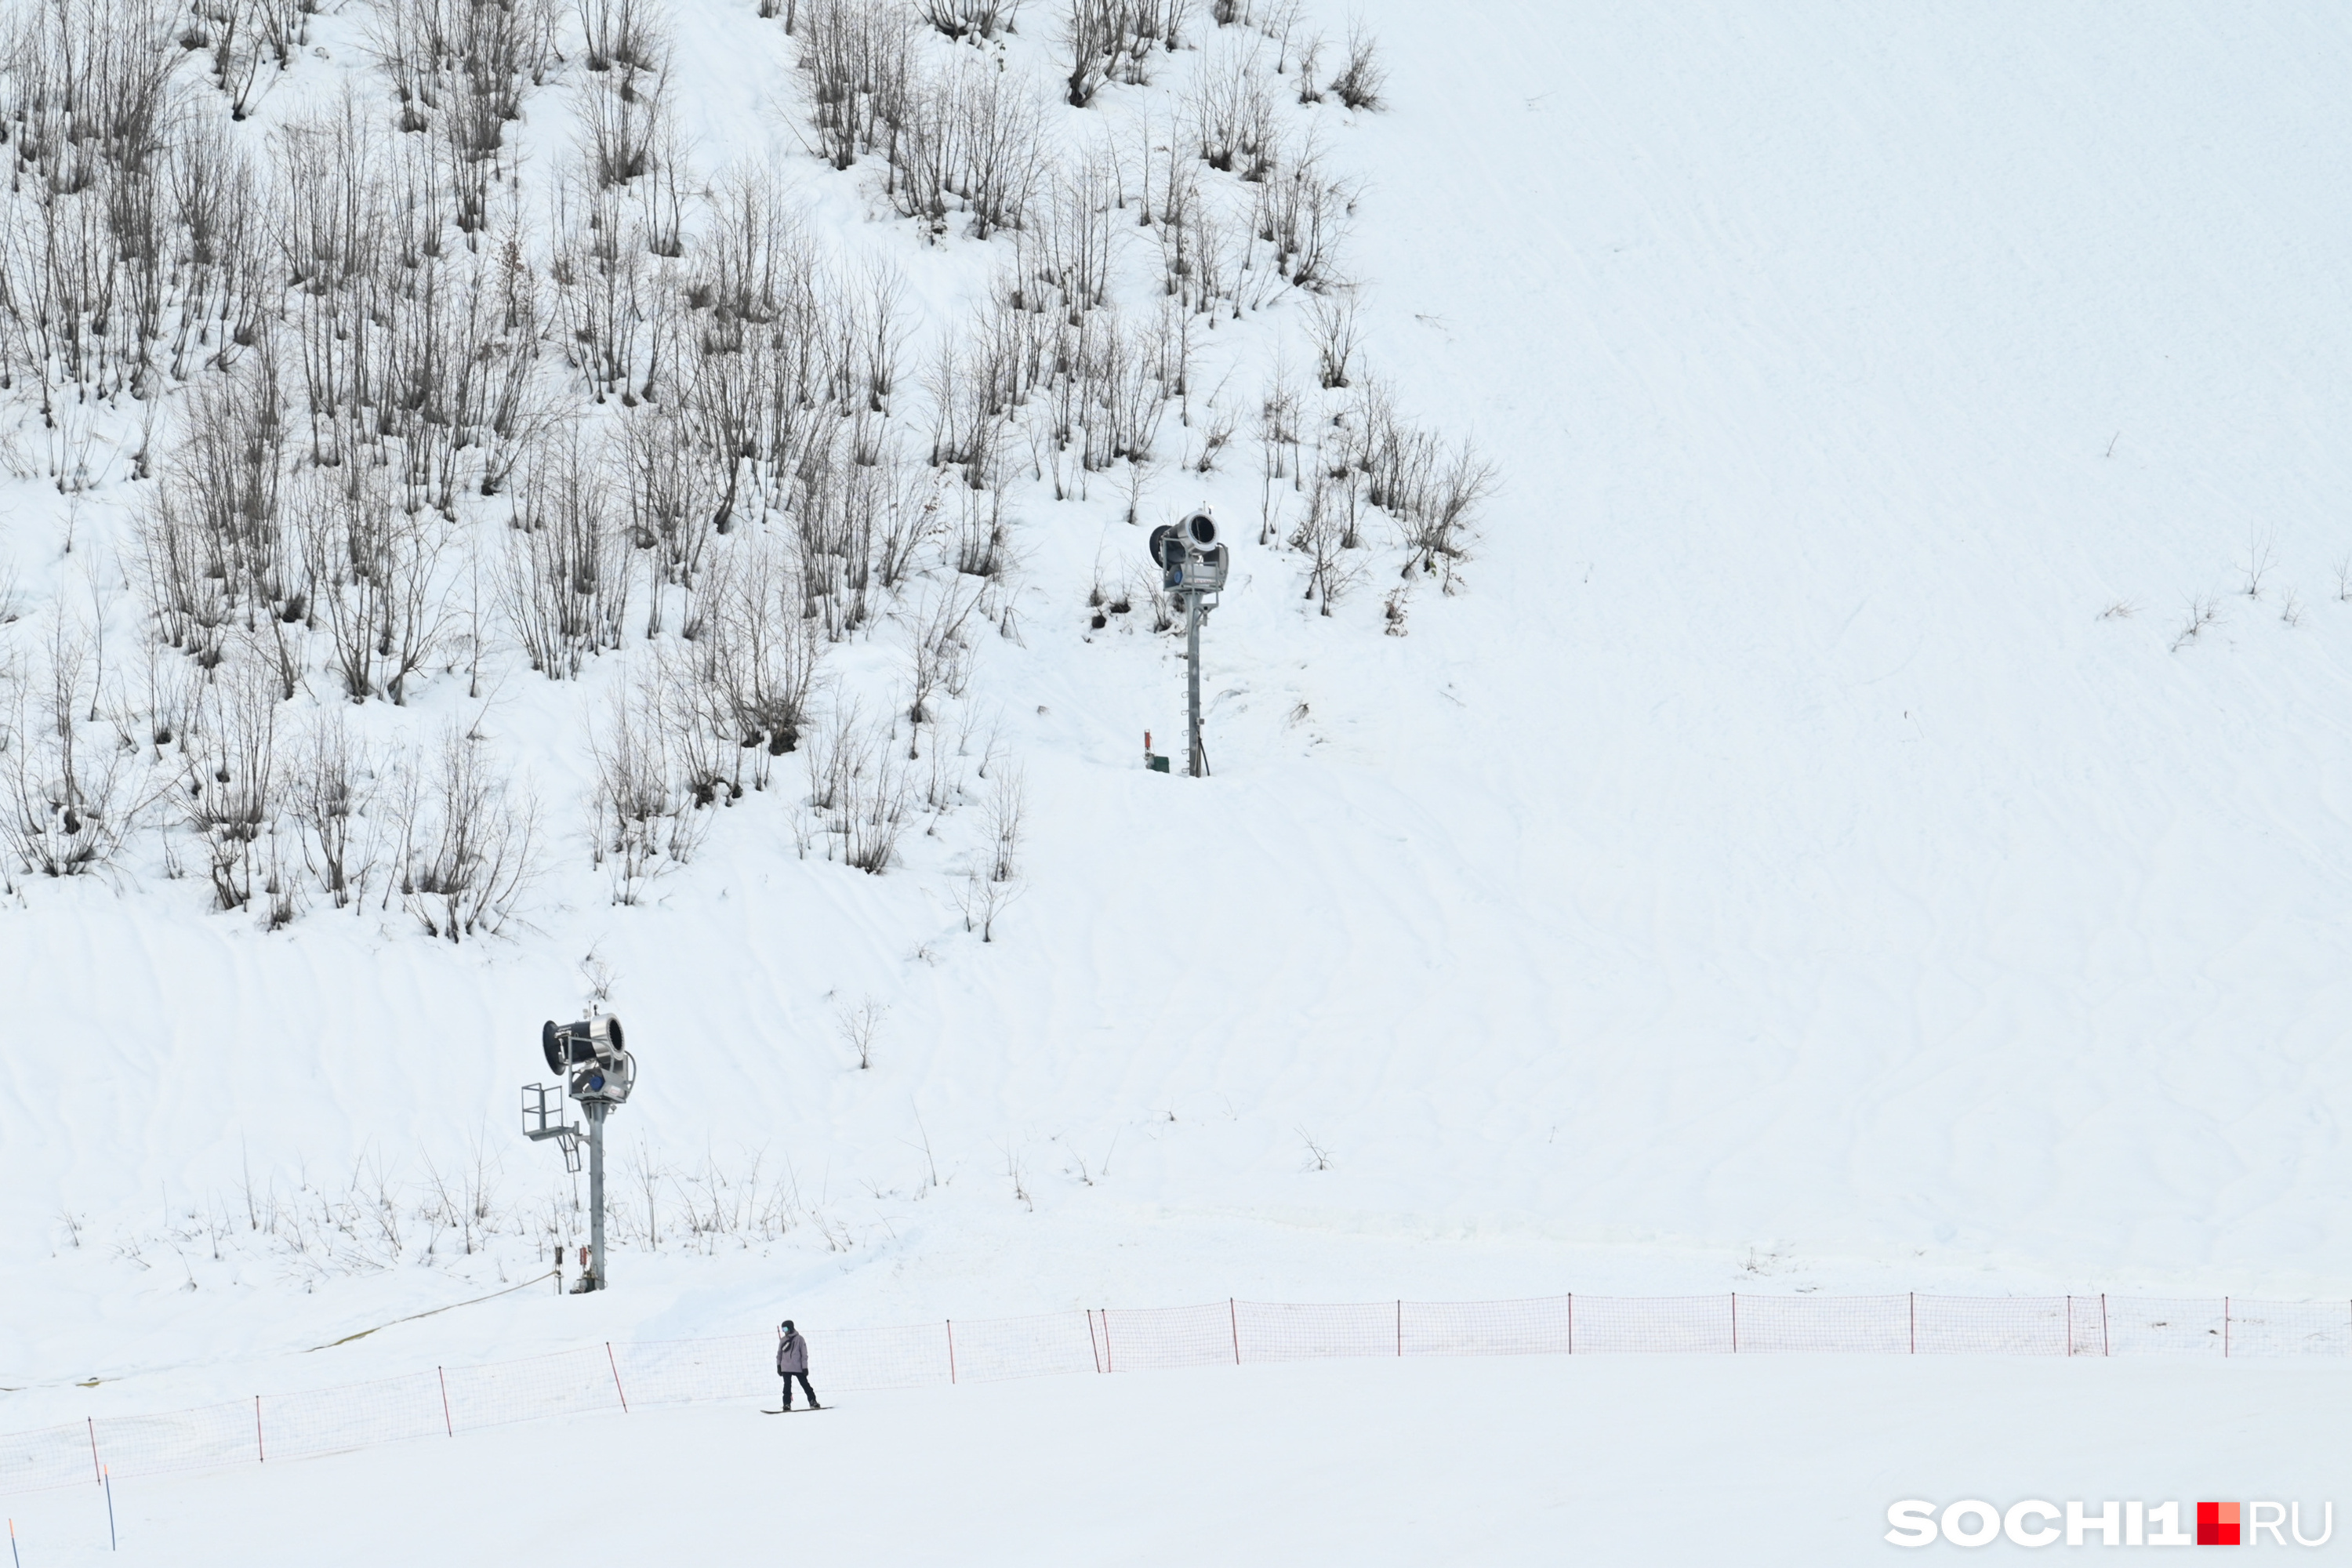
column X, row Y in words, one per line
column 791, row 1355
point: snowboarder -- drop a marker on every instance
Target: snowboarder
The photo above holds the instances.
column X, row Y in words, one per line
column 792, row 1361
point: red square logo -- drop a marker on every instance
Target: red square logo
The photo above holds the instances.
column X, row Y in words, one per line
column 2217, row 1525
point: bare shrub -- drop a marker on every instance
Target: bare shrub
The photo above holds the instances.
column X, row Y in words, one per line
column 1432, row 491
column 763, row 657
column 626, row 35
column 1337, row 334
column 470, row 846
column 2204, row 611
column 981, row 900
column 906, row 513
column 874, row 808
column 1232, row 108
column 459, row 70
column 2261, row 555
column 1302, row 213
column 567, row 577
column 73, row 794
column 1069, row 245
column 1362, row 74
column 1332, row 564
column 642, row 816
column 968, row 139
column 376, row 581
column 330, row 788
column 1277, row 445
column 979, row 20
column 859, row 788
column 858, row 54
column 1113, row 40
column 232, row 787
column 982, row 532
column 939, row 655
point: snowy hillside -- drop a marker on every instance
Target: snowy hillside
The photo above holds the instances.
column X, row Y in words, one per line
column 1859, row 810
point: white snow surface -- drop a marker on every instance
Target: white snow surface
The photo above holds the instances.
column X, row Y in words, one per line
column 1768, row 1460
column 1770, row 869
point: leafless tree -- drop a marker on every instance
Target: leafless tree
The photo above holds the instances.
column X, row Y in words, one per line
column 860, row 1026
column 1277, row 445
column 1006, row 812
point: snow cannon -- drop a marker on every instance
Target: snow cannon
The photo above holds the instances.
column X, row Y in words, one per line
column 1188, row 555
column 593, row 1058
column 594, row 1053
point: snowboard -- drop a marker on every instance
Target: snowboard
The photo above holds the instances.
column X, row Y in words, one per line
column 796, row 1410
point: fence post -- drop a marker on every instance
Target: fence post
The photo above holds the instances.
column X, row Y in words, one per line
column 1572, row 1322
column 2070, row 1322
column 1915, row 1323
column 1234, row 1314
column 615, row 1365
column 1109, row 1364
column 2107, row 1346
column 952, row 1376
column 1400, row 1329
column 448, row 1425
column 1735, row 1322
column 97, row 1470
column 2225, row 1326
column 260, row 1454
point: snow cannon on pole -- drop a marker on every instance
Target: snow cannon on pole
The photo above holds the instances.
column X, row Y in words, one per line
column 592, row 1058
column 1193, row 566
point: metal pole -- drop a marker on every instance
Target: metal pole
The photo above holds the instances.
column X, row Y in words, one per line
column 596, row 1109
column 1192, row 684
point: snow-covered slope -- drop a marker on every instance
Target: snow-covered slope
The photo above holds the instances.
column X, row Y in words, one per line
column 1803, row 847
column 1502, row 1462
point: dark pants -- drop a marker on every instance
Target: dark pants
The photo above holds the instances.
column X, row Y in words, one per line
column 804, row 1384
